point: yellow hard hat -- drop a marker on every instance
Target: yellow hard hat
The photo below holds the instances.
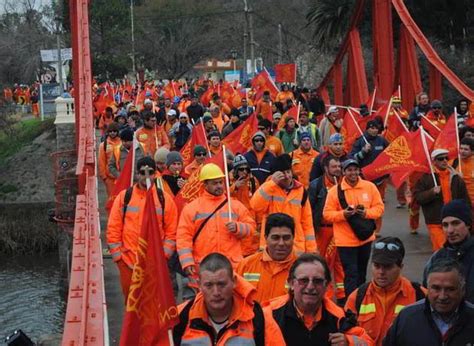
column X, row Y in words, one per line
column 210, row 171
column 396, row 99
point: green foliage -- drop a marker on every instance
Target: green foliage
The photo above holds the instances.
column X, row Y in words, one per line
column 329, row 20
column 21, row 134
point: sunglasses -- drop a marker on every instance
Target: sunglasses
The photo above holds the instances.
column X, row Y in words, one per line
column 436, row 107
column 200, row 154
column 143, row 171
column 315, row 281
column 390, row 246
column 442, row 158
column 258, row 140
column 243, row 169
column 113, row 131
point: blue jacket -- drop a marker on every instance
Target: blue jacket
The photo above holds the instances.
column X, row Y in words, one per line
column 261, row 170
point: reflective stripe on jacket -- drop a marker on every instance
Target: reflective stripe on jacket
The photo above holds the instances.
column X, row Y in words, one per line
column 271, row 198
column 122, row 238
column 364, row 193
column 214, row 237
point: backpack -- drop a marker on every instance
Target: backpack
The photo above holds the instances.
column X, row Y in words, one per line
column 258, row 322
column 128, row 197
column 362, row 290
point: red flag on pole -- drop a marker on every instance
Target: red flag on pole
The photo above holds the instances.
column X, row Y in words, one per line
column 240, row 140
column 193, row 187
column 151, row 308
column 198, row 137
column 395, row 126
column 355, row 126
column 285, row 73
column 447, row 138
column 263, row 81
column 402, row 157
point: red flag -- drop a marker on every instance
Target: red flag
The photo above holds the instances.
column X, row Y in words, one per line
column 262, row 82
column 395, row 126
column 193, row 187
column 206, row 96
column 430, row 127
column 151, row 308
column 354, row 126
column 402, row 157
column 240, row 140
column 292, row 112
column 448, row 138
column 124, row 181
column 198, row 137
column 285, row 73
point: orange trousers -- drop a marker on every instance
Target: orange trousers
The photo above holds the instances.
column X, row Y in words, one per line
column 438, row 238
column 401, row 193
column 327, row 249
column 378, row 222
column 125, row 277
column 413, row 206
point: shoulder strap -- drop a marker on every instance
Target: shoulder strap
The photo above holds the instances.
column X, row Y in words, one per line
column 179, row 329
column 418, row 291
column 258, row 322
column 361, row 291
column 305, row 197
column 128, row 197
column 341, row 196
column 105, row 143
column 201, row 226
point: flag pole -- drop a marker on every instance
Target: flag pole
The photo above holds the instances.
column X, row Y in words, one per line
column 432, row 123
column 297, row 119
column 133, row 157
column 205, row 136
column 227, row 185
column 457, row 137
column 400, row 120
column 357, row 125
column 387, row 114
column 425, row 148
column 372, row 102
column 170, row 337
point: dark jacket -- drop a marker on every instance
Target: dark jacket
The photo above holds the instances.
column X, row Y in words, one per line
column 261, row 170
column 414, row 119
column 195, row 112
column 378, row 144
column 432, row 203
column 317, row 193
column 414, row 326
column 464, row 254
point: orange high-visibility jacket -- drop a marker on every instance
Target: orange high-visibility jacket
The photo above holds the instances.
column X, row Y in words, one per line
column 271, row 198
column 381, row 306
column 122, row 239
column 214, row 237
column 355, row 336
column 365, row 193
column 302, row 164
column 241, row 317
column 152, row 139
column 104, row 156
column 268, row 276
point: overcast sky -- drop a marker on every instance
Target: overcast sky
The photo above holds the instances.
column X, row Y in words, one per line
column 18, row 4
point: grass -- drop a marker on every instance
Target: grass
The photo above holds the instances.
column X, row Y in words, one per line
column 22, row 133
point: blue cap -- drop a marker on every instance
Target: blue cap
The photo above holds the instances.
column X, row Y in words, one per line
column 336, row 137
column 305, row 135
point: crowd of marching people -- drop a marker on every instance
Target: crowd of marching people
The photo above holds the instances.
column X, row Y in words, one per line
column 268, row 212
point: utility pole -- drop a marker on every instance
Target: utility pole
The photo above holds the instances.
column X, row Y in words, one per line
column 249, row 20
column 58, row 43
column 132, row 24
column 280, row 44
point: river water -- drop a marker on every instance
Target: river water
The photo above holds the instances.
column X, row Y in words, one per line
column 29, row 296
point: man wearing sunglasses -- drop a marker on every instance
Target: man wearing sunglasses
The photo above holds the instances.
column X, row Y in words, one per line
column 306, row 317
column 200, row 155
column 259, row 158
column 378, row 302
column 449, row 186
column 268, row 270
column 125, row 221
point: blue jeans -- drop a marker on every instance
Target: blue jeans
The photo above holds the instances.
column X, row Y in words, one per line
column 354, row 262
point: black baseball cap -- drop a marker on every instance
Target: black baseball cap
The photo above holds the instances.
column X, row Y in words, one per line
column 388, row 250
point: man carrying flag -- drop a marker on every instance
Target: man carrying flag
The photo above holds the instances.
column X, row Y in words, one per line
column 151, row 309
column 434, row 190
column 205, row 225
column 126, row 217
